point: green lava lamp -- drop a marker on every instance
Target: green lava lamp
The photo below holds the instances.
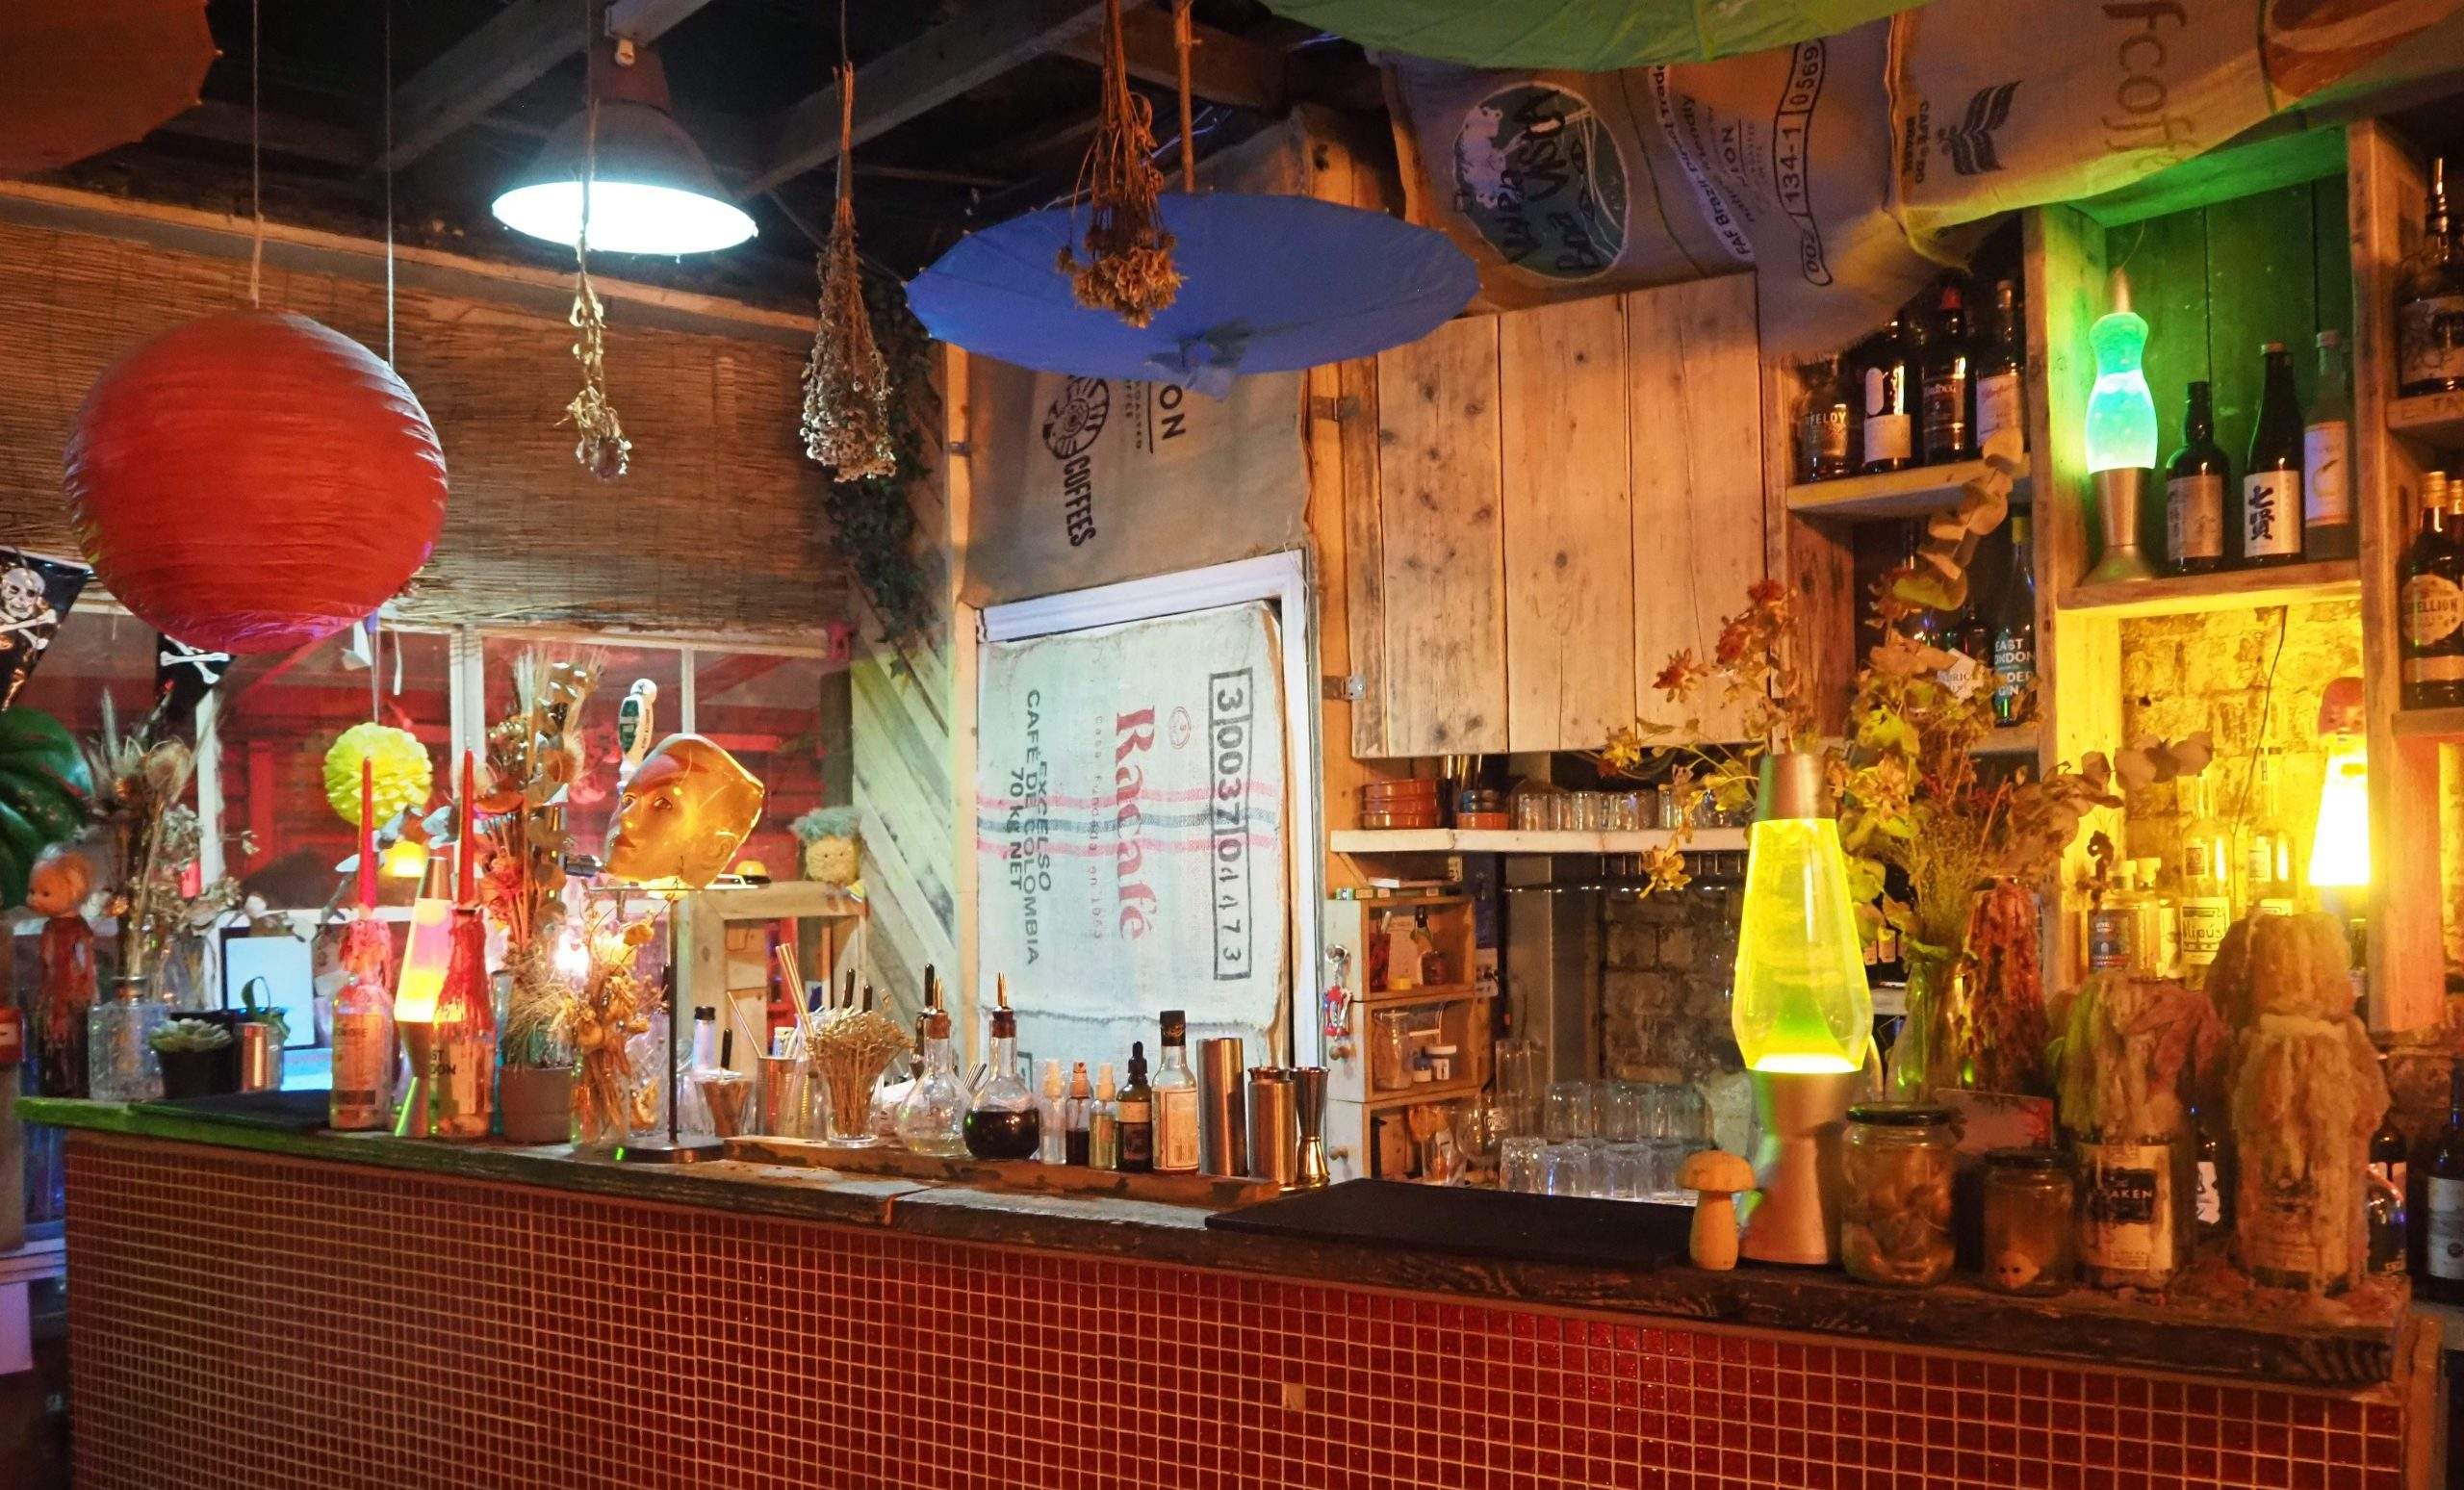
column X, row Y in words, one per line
column 2121, row 436
column 1802, row 1011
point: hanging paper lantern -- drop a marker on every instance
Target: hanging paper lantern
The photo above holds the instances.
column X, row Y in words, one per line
column 81, row 76
column 253, row 481
column 403, row 777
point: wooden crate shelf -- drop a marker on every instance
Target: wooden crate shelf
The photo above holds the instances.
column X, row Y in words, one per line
column 1516, row 840
column 1433, row 1092
column 2240, row 589
column 2435, row 419
column 1894, row 494
column 2428, row 723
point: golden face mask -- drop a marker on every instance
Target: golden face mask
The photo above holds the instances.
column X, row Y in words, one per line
column 683, row 815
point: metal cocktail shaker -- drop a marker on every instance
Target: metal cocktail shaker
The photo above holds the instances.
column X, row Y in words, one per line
column 1223, row 1128
column 1309, row 1093
column 1275, row 1128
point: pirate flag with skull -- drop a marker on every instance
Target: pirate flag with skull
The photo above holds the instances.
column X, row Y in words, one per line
column 35, row 592
column 183, row 676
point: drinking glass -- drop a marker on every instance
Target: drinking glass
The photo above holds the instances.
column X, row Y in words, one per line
column 1569, row 1170
column 1519, row 1163
column 1479, row 1127
column 1629, row 1172
column 1620, row 1107
column 1518, row 1079
column 1569, row 1115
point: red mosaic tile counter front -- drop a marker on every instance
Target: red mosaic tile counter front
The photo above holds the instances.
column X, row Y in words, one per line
column 263, row 1323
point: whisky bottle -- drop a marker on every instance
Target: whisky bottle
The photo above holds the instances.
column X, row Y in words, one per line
column 1825, row 421
column 2206, row 870
column 1889, row 442
column 2001, row 401
column 1948, row 378
column 2429, row 303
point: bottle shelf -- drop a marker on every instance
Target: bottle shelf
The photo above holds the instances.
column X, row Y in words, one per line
column 2241, row 589
column 1432, row 1091
column 1440, row 993
column 2435, row 419
column 1894, row 494
column 1517, row 840
column 2428, row 723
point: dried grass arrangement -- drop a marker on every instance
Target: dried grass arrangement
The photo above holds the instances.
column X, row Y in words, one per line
column 1128, row 269
column 847, row 390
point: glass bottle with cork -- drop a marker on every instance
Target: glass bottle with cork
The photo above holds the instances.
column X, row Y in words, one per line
column 1947, row 382
column 1001, row 1120
column 1175, row 1089
column 1885, row 367
column 2001, row 401
column 1135, row 1116
column 932, row 1118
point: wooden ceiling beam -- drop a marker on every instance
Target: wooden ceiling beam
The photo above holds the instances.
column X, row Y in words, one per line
column 951, row 58
column 1223, row 68
column 514, row 49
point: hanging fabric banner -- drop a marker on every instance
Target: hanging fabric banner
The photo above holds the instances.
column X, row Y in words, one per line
column 1130, row 821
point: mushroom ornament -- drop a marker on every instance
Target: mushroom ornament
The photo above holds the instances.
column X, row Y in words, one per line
column 1715, row 1176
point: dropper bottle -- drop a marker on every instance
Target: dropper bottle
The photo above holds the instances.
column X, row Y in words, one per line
column 1103, row 1122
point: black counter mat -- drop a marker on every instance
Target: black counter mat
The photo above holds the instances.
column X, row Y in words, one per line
column 1491, row 1223
column 285, row 1112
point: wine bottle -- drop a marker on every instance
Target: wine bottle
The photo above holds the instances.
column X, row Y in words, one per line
column 2429, row 303
column 1948, row 375
column 2430, row 644
column 2443, row 1224
column 2271, row 514
column 2001, row 402
column 2327, row 527
column 2194, row 483
column 1888, row 434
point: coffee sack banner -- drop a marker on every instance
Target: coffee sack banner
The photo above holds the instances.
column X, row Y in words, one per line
column 1130, row 850
column 1563, row 184
column 2108, row 91
column 1082, row 481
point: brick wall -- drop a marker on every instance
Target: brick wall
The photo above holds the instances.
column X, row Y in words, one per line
column 1664, row 991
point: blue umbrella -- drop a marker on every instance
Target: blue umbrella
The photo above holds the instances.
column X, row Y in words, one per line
column 1269, row 284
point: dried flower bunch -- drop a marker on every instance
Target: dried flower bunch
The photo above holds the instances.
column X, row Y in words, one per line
column 611, row 1007
column 1128, row 269
column 846, row 414
column 140, row 777
column 533, row 757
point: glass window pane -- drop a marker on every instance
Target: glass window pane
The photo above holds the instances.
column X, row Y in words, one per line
column 590, row 801
column 785, row 718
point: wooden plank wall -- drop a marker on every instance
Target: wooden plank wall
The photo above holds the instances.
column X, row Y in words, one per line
column 717, row 530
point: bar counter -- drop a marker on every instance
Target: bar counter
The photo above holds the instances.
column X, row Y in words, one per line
column 357, row 1309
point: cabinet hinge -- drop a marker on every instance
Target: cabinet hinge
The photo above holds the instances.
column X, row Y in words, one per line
column 1347, row 687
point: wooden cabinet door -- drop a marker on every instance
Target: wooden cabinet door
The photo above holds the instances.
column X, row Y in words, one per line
column 1696, row 416
column 1427, row 575
column 1569, row 539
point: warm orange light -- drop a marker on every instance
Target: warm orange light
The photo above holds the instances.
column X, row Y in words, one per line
column 427, row 951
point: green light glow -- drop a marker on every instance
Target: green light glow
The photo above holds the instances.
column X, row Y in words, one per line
column 1802, row 1004
column 2121, row 414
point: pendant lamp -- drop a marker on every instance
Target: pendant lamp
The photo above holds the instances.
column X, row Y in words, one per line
column 1583, row 36
column 654, row 190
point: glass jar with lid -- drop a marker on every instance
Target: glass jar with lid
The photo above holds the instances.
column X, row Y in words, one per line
column 1895, row 1215
column 2031, row 1241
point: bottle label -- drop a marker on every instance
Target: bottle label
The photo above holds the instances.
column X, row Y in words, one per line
column 1177, row 1128
column 2210, row 1202
column 2205, row 919
column 1136, row 1144
column 2015, row 665
column 2444, row 1249
column 464, row 1069
column 363, row 1061
column 2194, row 517
column 2429, row 341
column 2258, row 861
column 2270, row 504
column 2127, row 1219
column 1825, row 433
column 1946, row 412
column 1998, row 407
column 1886, row 437
column 2275, row 1231
column 2433, row 608
column 2327, row 468
column 2113, row 937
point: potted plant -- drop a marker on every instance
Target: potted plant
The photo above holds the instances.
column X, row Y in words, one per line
column 830, row 850
column 191, row 1055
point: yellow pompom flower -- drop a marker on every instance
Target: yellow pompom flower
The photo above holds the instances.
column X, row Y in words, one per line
column 404, row 777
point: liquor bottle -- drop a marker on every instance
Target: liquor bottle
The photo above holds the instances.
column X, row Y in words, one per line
column 466, row 1035
column 2001, row 401
column 1826, row 423
column 1135, row 1117
column 1103, row 1121
column 1052, row 1116
column 2114, row 923
column 932, row 1118
column 2267, row 886
column 1077, row 1119
column 2206, row 871
column 2429, row 303
column 2269, row 522
column 2211, row 1186
column 2327, row 527
column 1001, row 1120
column 364, row 1055
column 2442, row 1197
column 2160, row 926
column 2014, row 646
column 2388, row 1207
column 1949, row 374
column 2431, row 644
column 1175, row 1089
column 2194, row 483
column 1885, row 367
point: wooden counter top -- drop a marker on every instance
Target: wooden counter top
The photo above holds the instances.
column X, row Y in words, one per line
column 2343, row 1345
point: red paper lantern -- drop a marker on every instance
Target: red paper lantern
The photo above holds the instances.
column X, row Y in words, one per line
column 252, row 481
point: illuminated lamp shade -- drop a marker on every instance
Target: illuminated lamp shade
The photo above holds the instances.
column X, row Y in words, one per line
column 1802, row 1005
column 253, row 481
column 653, row 189
column 2121, row 436
column 2340, row 845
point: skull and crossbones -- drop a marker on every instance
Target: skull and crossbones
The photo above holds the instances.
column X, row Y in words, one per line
column 25, row 607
